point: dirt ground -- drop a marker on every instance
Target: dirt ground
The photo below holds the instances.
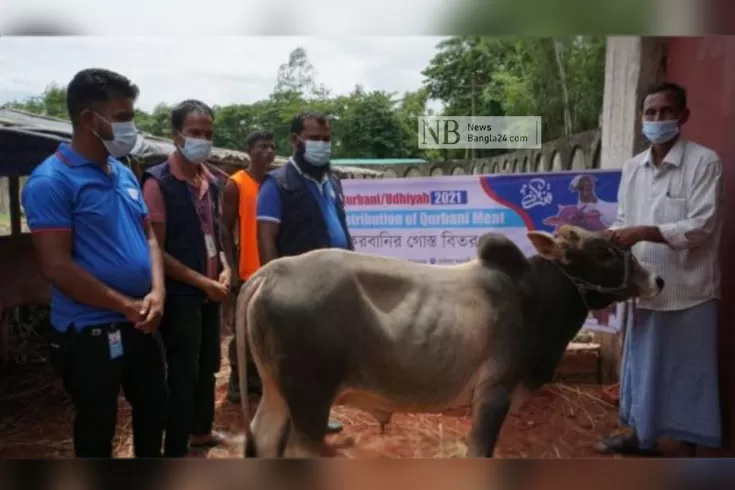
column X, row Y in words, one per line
column 560, row 421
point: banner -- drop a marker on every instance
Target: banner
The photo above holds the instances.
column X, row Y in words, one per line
column 439, row 220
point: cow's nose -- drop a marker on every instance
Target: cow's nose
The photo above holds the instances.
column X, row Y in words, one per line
column 660, row 283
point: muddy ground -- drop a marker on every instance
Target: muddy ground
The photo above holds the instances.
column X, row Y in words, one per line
column 560, row 421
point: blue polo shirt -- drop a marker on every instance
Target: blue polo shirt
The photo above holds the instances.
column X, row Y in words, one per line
column 269, row 207
column 105, row 214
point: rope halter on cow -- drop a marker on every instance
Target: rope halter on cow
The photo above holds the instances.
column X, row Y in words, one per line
column 584, row 287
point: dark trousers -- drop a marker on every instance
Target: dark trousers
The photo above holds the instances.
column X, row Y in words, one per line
column 92, row 378
column 191, row 334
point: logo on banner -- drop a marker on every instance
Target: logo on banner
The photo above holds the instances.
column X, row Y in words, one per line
column 536, row 192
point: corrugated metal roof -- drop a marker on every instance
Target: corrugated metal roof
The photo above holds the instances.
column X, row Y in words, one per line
column 16, row 117
column 22, row 126
column 378, row 161
column 148, row 146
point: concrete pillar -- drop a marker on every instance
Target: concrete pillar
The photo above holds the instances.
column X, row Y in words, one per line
column 632, row 64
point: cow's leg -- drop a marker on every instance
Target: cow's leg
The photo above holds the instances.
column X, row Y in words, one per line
column 309, row 416
column 310, row 406
column 269, row 421
column 519, row 398
column 303, row 446
column 494, row 394
column 490, row 412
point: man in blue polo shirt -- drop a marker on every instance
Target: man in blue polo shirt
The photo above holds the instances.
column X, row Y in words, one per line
column 300, row 205
column 90, row 228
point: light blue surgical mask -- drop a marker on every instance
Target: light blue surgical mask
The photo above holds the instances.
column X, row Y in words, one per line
column 317, row 153
column 124, row 137
column 196, row 150
column 658, row 132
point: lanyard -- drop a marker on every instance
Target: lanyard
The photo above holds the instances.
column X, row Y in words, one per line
column 194, row 193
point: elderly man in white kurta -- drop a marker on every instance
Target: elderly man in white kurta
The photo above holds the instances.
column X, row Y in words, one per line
column 670, row 213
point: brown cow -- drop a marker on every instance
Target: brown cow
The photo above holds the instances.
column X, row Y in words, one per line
column 388, row 335
column 22, row 283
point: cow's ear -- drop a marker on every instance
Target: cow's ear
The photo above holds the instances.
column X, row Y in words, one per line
column 546, row 245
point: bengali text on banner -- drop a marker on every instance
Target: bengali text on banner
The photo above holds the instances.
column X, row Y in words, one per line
column 439, row 220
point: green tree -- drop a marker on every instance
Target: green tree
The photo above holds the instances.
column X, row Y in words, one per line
column 550, row 17
column 457, row 75
column 157, row 123
column 51, row 103
column 410, row 107
column 297, row 74
column 368, row 127
column 560, row 79
column 529, row 80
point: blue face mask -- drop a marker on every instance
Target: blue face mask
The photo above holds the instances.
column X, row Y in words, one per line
column 124, row 135
column 660, row 131
column 196, row 150
column 317, row 153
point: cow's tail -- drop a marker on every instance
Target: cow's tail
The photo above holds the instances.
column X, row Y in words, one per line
column 247, row 292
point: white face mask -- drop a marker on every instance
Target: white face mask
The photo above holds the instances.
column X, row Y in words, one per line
column 317, row 153
column 124, row 137
column 196, row 150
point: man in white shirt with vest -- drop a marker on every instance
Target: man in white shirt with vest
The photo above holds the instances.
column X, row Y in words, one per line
column 670, row 213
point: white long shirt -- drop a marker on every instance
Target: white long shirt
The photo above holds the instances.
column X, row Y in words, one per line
column 684, row 198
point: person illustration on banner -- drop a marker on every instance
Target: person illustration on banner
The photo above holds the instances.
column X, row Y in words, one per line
column 584, row 186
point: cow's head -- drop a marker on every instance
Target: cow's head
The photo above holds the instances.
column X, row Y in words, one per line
column 602, row 271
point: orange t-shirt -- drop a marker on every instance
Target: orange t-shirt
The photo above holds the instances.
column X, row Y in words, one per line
column 247, row 189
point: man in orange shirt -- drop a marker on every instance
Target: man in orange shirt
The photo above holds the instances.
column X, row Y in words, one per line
column 239, row 202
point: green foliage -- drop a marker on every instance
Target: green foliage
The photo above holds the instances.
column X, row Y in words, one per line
column 552, row 17
column 51, row 103
column 485, row 76
column 521, row 77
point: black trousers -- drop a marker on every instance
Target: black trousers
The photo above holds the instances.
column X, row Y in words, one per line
column 92, row 378
column 191, row 334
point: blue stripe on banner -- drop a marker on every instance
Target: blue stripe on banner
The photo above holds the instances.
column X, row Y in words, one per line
column 466, row 218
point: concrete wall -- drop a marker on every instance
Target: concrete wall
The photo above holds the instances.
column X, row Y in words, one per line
column 578, row 151
column 632, row 64
column 706, row 67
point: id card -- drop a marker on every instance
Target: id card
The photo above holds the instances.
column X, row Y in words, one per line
column 211, row 249
column 116, row 347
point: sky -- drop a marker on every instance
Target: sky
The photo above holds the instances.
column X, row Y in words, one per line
column 218, row 70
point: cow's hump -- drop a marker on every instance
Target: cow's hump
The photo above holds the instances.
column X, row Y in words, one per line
column 497, row 251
